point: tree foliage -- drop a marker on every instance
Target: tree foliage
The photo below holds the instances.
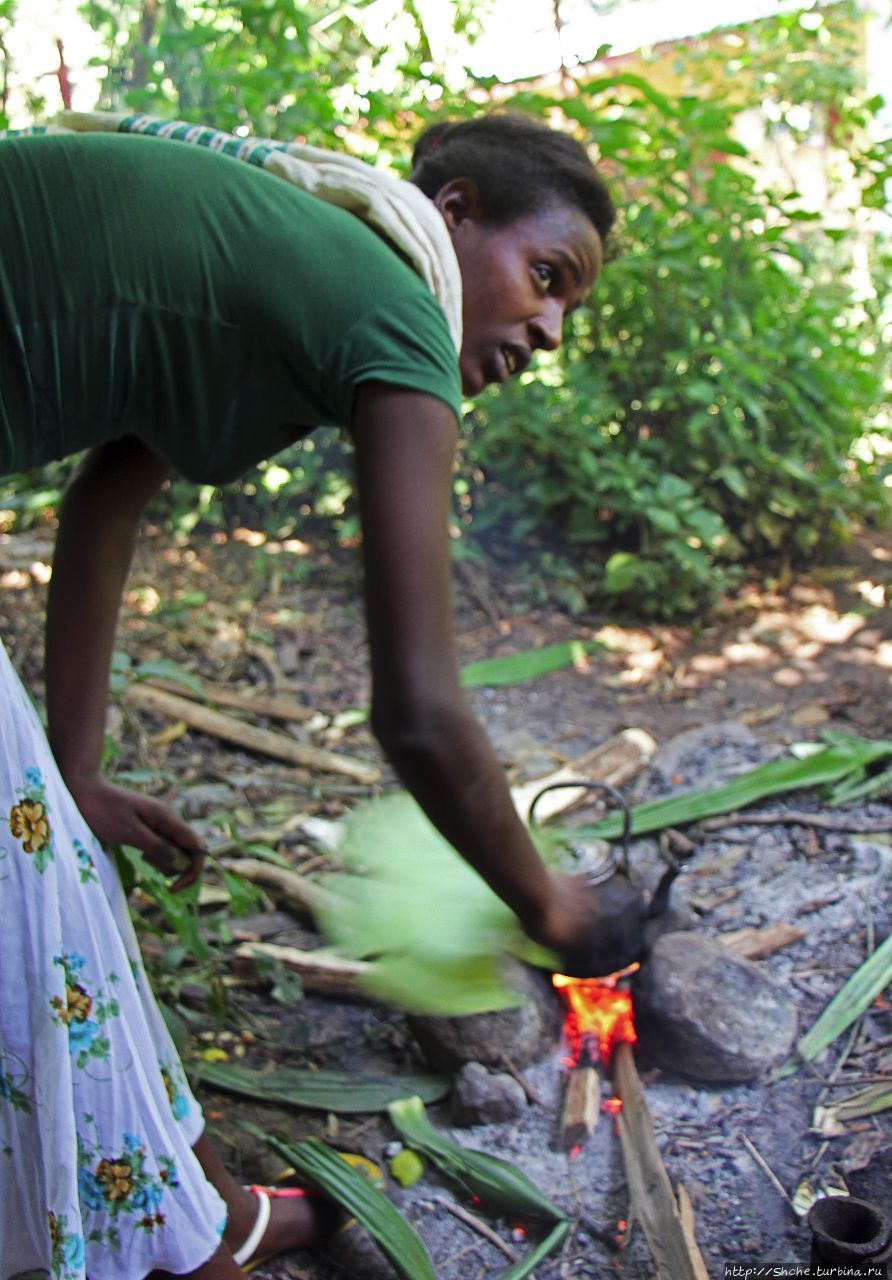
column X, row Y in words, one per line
column 708, row 412
column 715, row 404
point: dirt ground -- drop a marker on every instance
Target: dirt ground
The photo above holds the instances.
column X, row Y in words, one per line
column 775, row 666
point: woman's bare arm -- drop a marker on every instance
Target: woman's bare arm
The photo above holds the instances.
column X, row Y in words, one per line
column 98, row 524
column 405, row 443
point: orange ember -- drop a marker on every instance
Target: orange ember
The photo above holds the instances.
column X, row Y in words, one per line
column 596, row 1007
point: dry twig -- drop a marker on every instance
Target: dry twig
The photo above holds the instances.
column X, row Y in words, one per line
column 477, row 1224
column 796, row 817
column 766, row 1168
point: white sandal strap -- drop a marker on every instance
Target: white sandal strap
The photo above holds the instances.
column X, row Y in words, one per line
column 249, row 1248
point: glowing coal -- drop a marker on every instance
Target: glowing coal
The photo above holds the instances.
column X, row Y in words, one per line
column 599, row 1014
column 598, row 1017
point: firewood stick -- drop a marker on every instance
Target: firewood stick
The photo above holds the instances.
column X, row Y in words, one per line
column 328, row 974
column 265, row 741
column 667, row 1222
column 755, row 944
column 276, row 706
column 295, row 890
column 582, row 1104
column 615, row 762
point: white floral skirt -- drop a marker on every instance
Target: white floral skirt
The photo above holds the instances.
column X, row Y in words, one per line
column 98, row 1180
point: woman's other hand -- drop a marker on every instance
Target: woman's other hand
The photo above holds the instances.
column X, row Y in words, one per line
column 596, row 930
column 118, row 816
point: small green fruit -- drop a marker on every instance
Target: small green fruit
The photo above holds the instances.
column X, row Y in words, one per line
column 407, row 1168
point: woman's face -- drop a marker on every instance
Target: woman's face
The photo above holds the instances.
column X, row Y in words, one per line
column 519, row 281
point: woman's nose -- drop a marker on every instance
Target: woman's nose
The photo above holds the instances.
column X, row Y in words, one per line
column 547, row 327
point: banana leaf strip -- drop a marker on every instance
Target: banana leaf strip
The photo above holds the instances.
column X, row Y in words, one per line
column 327, row 1172
column 499, row 1185
column 516, row 668
column 343, row 1092
column 843, row 758
column 862, row 988
column 550, row 1244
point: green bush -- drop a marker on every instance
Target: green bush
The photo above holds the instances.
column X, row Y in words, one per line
column 714, row 407
column 711, row 409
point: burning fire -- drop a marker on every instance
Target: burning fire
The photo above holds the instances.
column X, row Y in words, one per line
column 599, row 1016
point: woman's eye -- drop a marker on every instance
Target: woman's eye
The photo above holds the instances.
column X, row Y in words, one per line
column 544, row 273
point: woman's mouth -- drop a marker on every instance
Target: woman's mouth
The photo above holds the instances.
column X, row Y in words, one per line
column 514, row 358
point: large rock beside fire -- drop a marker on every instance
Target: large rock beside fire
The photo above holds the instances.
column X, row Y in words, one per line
column 704, row 1012
column 521, row 1035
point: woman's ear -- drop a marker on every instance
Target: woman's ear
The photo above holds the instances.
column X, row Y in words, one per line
column 459, row 200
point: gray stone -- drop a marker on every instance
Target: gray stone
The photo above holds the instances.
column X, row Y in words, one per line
column 703, row 746
column 485, row 1097
column 702, row 1011
column 522, row 1035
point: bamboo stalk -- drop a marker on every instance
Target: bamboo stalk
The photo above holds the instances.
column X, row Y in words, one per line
column 264, row 741
column 667, row 1222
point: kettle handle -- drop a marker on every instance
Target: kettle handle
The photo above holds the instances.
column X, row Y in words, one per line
column 594, row 786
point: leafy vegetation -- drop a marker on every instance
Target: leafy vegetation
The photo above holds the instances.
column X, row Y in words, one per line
column 711, row 410
column 325, row 1170
column 842, row 763
column 395, row 864
column 718, row 404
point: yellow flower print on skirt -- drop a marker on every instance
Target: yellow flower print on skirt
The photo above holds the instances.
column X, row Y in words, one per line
column 82, row 1014
column 29, row 820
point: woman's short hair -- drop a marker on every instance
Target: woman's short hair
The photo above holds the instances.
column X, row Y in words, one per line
column 518, row 165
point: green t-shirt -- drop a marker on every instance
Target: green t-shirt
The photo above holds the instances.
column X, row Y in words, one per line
column 214, row 311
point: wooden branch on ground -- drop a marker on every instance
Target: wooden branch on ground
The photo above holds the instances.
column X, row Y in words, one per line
column 275, row 706
column 755, row 944
column 797, row 817
column 264, row 741
column 323, row 972
column 292, row 890
column 667, row 1221
column 615, row 762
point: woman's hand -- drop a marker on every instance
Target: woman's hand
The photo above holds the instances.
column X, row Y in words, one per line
column 118, row 816
column 596, row 930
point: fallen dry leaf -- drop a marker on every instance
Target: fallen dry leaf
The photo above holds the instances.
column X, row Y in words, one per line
column 861, row 1150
